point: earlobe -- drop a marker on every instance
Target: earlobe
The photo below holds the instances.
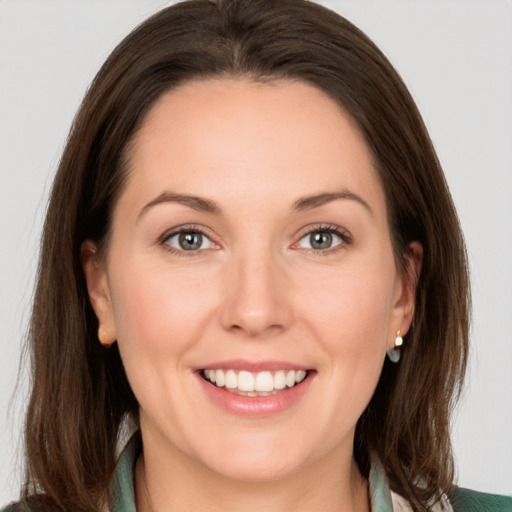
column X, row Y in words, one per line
column 99, row 293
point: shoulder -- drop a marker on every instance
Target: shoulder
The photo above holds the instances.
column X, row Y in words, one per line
column 465, row 500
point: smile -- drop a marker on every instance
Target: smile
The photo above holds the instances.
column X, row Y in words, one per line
column 251, row 384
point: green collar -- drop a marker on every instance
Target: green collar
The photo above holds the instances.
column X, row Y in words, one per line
column 123, row 492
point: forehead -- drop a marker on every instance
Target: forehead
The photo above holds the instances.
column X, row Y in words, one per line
column 228, row 139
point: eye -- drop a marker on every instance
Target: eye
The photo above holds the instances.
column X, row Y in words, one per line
column 189, row 240
column 323, row 239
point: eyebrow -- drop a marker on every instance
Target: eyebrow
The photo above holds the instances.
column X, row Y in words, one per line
column 208, row 206
column 310, row 202
column 196, row 203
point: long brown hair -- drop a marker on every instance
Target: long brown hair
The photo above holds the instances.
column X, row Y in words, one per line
column 80, row 394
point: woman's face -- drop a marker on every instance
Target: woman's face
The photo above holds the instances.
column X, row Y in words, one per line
column 249, row 246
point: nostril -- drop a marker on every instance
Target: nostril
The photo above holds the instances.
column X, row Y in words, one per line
column 255, row 327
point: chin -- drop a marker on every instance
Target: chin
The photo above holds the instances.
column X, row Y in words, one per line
column 263, row 458
column 255, row 469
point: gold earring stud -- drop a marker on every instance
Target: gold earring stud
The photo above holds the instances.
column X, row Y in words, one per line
column 394, row 353
column 398, row 340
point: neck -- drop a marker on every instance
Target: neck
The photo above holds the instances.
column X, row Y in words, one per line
column 328, row 485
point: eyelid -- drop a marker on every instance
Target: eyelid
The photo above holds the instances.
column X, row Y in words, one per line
column 342, row 233
column 185, row 228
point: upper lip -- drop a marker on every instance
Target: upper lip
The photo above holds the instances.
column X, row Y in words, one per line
column 253, row 366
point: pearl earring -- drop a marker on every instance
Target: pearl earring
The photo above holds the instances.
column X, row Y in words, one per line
column 394, row 353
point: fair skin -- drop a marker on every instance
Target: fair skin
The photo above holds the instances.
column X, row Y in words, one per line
column 283, row 263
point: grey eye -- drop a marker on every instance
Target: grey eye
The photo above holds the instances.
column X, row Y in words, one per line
column 320, row 240
column 189, row 241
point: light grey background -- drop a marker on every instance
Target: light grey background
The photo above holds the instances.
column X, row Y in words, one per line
column 455, row 55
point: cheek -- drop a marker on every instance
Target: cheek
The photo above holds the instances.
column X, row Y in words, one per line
column 160, row 316
column 159, row 312
column 350, row 319
column 353, row 309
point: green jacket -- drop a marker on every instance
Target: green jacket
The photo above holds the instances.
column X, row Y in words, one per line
column 465, row 500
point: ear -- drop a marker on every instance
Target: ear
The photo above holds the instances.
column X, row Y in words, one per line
column 403, row 310
column 99, row 292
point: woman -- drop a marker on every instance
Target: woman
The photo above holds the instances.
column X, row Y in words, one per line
column 247, row 217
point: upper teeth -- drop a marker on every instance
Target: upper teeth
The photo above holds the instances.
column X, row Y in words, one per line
column 259, row 382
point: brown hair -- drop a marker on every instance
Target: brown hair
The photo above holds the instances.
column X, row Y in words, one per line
column 80, row 394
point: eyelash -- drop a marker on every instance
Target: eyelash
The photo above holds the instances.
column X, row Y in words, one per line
column 183, row 230
column 344, row 236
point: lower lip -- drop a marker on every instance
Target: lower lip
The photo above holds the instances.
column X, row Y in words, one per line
column 255, row 406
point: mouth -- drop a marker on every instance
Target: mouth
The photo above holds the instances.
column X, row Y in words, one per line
column 254, row 384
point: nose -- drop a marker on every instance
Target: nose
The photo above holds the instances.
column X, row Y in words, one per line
column 255, row 301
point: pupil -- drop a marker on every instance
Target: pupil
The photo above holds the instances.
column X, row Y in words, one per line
column 321, row 240
column 190, row 241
